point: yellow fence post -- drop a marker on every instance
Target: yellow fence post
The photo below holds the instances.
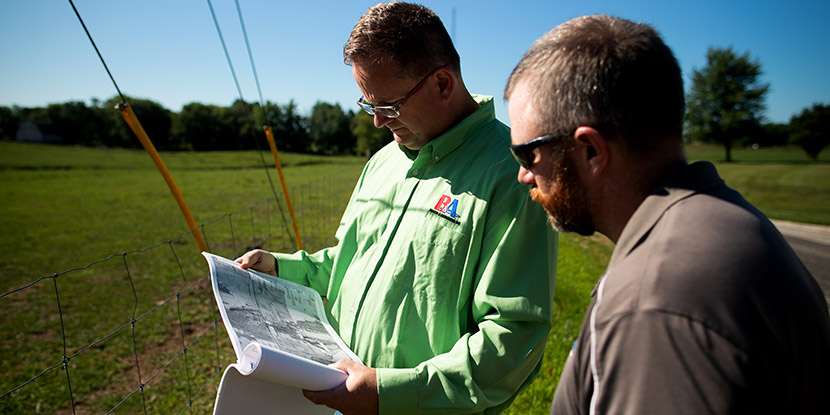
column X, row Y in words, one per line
column 271, row 143
column 127, row 112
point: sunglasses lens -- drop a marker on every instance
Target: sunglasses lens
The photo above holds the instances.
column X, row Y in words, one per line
column 521, row 157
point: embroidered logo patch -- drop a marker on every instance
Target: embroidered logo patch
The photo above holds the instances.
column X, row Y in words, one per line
column 446, row 208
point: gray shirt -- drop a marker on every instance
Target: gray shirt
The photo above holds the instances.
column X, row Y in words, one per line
column 704, row 308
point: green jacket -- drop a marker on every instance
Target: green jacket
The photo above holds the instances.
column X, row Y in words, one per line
column 443, row 276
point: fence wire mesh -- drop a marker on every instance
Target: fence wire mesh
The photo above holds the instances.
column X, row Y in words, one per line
column 139, row 332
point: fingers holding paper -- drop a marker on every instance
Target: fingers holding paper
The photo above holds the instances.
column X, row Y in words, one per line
column 357, row 395
column 259, row 260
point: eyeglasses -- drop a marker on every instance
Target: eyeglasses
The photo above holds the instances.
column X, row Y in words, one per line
column 523, row 153
column 394, row 111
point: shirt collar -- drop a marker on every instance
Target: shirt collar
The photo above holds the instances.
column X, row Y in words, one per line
column 692, row 179
column 455, row 137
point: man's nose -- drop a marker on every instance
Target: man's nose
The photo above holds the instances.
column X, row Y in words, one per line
column 380, row 120
column 526, row 176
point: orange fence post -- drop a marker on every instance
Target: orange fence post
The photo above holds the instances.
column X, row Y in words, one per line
column 127, row 112
column 271, row 143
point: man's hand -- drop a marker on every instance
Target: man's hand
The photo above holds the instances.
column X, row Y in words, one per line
column 259, row 260
column 357, row 395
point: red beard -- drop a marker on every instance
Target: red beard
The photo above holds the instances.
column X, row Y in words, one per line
column 566, row 204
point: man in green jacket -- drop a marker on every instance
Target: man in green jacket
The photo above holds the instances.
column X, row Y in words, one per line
column 442, row 280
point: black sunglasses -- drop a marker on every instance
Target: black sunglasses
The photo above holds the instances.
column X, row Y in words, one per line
column 523, row 153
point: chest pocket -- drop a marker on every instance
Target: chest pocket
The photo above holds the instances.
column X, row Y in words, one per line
column 440, row 243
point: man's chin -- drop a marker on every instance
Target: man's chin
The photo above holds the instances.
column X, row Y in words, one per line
column 404, row 141
column 563, row 219
column 567, row 227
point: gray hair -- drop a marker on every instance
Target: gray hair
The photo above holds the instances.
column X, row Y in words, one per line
column 608, row 73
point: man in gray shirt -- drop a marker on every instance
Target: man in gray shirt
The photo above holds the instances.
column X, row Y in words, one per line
column 703, row 308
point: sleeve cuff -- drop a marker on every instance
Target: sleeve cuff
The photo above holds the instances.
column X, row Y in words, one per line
column 397, row 391
column 289, row 267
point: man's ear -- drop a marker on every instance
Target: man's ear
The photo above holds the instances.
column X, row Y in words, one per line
column 591, row 150
column 446, row 84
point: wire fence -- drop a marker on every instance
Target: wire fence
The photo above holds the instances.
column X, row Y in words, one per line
column 139, row 332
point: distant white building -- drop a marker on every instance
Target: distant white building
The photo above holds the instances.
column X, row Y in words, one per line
column 37, row 132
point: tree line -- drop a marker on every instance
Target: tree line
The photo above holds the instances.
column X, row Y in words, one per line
column 725, row 105
column 200, row 127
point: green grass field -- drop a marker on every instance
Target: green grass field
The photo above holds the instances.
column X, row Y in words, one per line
column 66, row 207
column 782, row 182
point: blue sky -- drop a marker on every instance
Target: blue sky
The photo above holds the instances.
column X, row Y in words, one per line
column 169, row 51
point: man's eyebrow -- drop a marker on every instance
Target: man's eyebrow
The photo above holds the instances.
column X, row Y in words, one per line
column 383, row 103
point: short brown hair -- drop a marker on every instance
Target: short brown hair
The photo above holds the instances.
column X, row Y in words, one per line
column 606, row 72
column 409, row 35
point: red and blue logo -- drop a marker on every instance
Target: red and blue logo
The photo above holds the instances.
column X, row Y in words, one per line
column 447, row 208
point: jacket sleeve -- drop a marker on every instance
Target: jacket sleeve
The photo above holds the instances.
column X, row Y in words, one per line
column 314, row 269
column 309, row 269
column 511, row 309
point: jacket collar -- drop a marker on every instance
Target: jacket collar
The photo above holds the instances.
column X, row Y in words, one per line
column 692, row 179
column 456, row 136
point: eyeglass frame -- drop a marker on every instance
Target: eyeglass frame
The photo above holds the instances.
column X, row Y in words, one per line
column 396, row 109
column 523, row 153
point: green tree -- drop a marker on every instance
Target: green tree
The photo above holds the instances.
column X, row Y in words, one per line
column 9, row 122
column 77, row 123
column 206, row 127
column 726, row 100
column 266, row 115
column 811, row 129
column 774, row 134
column 369, row 138
column 291, row 129
column 329, row 129
column 250, row 135
column 154, row 118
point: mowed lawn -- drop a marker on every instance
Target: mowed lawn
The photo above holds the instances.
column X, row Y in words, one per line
column 65, row 207
column 65, row 210
column 782, row 182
